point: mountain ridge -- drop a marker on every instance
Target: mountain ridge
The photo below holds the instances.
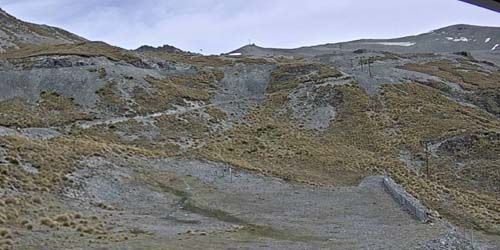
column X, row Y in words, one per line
column 463, row 36
column 164, row 48
column 15, row 34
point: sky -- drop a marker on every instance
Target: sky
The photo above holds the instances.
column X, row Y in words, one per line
column 220, row 26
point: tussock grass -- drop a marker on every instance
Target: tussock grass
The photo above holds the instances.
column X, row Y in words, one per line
column 272, row 145
column 85, row 49
column 57, row 157
column 469, row 76
column 130, row 133
column 51, row 110
column 110, row 100
column 287, row 76
column 54, row 159
column 422, row 113
column 483, row 86
column 164, row 93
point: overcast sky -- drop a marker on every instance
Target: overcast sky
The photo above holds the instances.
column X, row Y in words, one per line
column 218, row 26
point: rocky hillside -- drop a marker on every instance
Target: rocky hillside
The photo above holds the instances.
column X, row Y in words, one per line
column 102, row 147
column 15, row 34
column 454, row 38
column 165, row 48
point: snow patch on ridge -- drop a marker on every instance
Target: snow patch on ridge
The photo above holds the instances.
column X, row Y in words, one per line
column 459, row 39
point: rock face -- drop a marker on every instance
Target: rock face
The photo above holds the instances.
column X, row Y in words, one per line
column 15, row 34
column 107, row 148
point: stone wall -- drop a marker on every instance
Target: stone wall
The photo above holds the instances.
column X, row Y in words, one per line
column 407, row 201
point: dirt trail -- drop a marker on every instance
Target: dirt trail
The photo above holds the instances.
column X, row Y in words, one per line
column 177, row 111
column 47, row 133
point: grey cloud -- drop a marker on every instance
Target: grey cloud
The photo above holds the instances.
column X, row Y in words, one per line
column 218, row 26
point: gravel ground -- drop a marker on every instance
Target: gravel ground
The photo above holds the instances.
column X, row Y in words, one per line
column 207, row 205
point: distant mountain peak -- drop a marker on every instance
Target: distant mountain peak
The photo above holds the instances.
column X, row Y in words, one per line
column 453, row 38
column 248, row 49
column 17, row 34
column 165, row 48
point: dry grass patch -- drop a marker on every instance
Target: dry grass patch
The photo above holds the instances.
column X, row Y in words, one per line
column 420, row 113
column 59, row 156
column 110, row 100
column 165, row 93
column 53, row 159
column 52, row 109
column 190, row 125
column 131, row 133
column 288, row 76
column 85, row 49
column 468, row 75
column 483, row 86
column 272, row 145
column 423, row 113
